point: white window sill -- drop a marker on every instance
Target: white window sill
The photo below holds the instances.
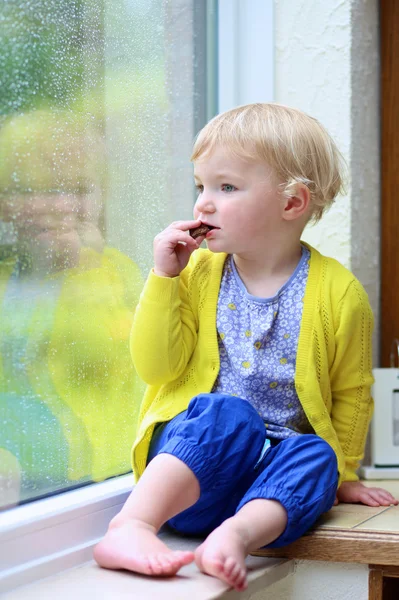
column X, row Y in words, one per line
column 89, row 581
column 48, row 536
column 46, row 550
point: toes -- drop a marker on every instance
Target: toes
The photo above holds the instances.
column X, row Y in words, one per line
column 198, row 558
column 229, row 566
column 216, row 566
column 142, row 565
column 155, row 565
column 242, row 583
column 160, row 564
column 212, row 566
column 240, row 579
column 184, row 557
column 173, row 562
column 168, row 564
column 235, row 574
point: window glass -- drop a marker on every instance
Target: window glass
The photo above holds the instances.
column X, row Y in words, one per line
column 99, row 104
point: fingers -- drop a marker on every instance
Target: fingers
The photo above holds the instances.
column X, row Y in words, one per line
column 200, row 239
column 378, row 497
column 178, row 232
column 185, row 225
column 368, row 499
column 170, row 237
column 173, row 247
column 356, row 491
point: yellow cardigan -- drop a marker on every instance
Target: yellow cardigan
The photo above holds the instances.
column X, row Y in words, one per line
column 175, row 351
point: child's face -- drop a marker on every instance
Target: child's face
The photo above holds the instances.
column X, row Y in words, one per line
column 55, row 225
column 241, row 199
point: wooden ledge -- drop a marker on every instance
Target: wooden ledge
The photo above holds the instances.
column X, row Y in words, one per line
column 342, row 545
column 351, row 533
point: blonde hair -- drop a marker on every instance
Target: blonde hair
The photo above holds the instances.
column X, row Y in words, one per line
column 295, row 145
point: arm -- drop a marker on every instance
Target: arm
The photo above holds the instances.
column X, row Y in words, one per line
column 164, row 330
column 351, row 376
column 352, row 404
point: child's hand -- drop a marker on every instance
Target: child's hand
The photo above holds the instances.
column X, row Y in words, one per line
column 173, row 247
column 355, row 492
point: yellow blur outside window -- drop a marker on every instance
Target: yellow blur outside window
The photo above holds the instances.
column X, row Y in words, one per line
column 99, row 104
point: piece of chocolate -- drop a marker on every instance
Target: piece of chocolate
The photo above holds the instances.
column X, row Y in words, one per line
column 198, row 231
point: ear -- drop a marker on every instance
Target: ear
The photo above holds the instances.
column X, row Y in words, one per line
column 297, row 204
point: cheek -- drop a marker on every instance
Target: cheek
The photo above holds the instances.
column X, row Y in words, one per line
column 235, row 213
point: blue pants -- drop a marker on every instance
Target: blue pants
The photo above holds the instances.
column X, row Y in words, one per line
column 221, row 438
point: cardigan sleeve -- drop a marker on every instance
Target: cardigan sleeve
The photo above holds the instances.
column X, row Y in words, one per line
column 351, row 376
column 164, row 331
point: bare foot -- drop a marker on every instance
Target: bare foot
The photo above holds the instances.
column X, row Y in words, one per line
column 135, row 546
column 223, row 555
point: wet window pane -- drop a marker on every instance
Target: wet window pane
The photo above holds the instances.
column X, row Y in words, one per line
column 99, row 104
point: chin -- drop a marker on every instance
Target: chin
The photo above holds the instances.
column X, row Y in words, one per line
column 214, row 247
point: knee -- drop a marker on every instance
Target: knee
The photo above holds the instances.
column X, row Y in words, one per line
column 229, row 419
column 217, row 400
column 222, row 406
column 323, row 452
column 323, row 448
column 312, row 446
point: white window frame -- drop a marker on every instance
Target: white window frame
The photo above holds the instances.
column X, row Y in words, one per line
column 245, row 52
column 50, row 535
column 47, row 536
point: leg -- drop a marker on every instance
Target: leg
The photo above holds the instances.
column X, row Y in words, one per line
column 231, row 436
column 223, row 553
column 297, row 483
column 131, row 541
column 210, row 447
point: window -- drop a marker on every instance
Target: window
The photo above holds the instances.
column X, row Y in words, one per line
column 99, row 104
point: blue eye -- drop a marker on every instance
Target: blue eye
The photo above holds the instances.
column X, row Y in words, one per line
column 228, row 188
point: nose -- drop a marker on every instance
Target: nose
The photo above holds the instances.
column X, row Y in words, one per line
column 204, row 205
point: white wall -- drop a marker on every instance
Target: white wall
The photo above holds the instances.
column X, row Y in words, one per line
column 326, row 63
column 312, row 72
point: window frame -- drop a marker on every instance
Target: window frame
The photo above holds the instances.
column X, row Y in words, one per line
column 245, row 52
column 47, row 536
column 50, row 535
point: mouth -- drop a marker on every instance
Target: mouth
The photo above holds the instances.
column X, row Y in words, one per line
column 203, row 230
column 210, row 231
column 210, row 226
